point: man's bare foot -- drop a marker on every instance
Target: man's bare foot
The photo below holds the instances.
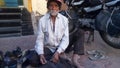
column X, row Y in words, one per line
column 75, row 59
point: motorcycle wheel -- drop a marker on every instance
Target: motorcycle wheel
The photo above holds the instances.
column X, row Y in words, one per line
column 112, row 41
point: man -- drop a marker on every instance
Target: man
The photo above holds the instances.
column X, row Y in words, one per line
column 77, row 45
column 53, row 34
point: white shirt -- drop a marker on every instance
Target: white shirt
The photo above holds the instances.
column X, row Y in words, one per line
column 58, row 39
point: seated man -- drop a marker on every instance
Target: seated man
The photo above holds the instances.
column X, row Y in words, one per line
column 53, row 34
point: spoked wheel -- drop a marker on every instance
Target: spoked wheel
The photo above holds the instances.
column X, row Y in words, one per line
column 113, row 41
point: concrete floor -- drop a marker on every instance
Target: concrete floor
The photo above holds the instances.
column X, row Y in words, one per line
column 24, row 42
column 112, row 60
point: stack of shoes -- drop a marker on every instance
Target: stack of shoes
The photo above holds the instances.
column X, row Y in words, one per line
column 96, row 55
column 11, row 58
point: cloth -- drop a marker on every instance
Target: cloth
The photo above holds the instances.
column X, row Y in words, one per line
column 52, row 39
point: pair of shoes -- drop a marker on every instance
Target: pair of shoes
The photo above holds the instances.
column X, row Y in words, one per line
column 96, row 55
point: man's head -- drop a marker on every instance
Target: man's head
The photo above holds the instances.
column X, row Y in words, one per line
column 53, row 6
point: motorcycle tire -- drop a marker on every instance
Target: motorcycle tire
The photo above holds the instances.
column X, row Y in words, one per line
column 110, row 40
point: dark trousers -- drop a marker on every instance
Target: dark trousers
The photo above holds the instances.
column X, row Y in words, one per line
column 33, row 59
column 76, row 42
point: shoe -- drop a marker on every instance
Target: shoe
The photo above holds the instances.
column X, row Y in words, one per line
column 97, row 56
column 91, row 52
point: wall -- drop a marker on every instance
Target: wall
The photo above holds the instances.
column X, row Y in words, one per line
column 2, row 4
column 39, row 6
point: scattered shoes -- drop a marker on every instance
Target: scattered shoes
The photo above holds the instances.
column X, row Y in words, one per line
column 96, row 55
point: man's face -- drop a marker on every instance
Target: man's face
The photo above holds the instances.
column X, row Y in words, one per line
column 53, row 8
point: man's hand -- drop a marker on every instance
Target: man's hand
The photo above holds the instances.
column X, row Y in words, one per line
column 42, row 59
column 55, row 57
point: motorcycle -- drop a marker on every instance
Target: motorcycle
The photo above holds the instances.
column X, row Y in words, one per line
column 100, row 15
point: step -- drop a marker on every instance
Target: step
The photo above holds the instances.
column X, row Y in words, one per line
column 4, row 17
column 10, row 32
column 10, row 24
column 10, row 20
column 13, row 22
column 10, row 35
column 8, row 29
column 10, row 10
column 10, row 14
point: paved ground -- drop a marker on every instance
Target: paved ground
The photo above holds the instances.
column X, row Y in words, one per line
column 25, row 42
column 112, row 60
